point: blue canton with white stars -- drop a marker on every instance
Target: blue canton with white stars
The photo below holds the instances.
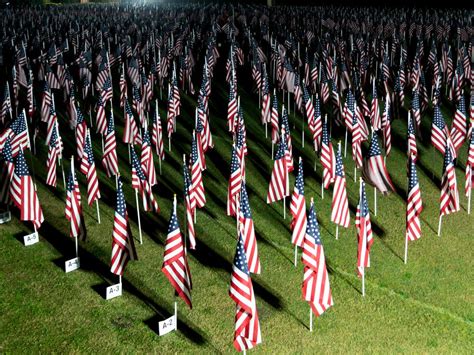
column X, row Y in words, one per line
column 240, row 259
column 312, row 229
column 244, row 202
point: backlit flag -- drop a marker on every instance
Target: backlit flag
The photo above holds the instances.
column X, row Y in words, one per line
column 414, row 203
column 266, row 100
column 101, row 118
column 190, row 205
column 123, row 87
column 340, row 205
column 231, row 107
column 123, row 248
column 349, row 110
column 415, row 109
column 318, row 124
column 157, row 134
column 247, row 327
column 141, row 184
column 316, row 288
column 458, row 129
column 19, row 134
column 328, row 161
column 364, row 231
column 130, row 129
column 449, row 199
column 146, row 159
column 412, row 149
column 374, row 170
column 470, row 162
column 170, row 119
column 23, row 193
column 88, row 168
column 439, row 130
column 375, row 120
column 275, row 120
column 73, row 210
column 289, row 149
column 247, row 231
column 196, row 175
column 175, row 265
column 81, row 131
column 279, row 183
column 46, row 102
column 298, row 208
column 235, row 183
column 137, row 105
column 53, row 155
column 109, row 158
column 387, row 126
column 7, row 171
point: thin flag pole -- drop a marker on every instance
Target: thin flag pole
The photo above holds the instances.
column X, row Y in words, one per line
column 138, row 216
column 439, row 224
column 469, row 198
column 355, row 173
column 363, row 282
column 310, row 319
column 98, row 211
column 75, row 237
column 405, row 260
column 60, row 160
column 375, row 201
column 296, row 254
column 284, row 207
column 345, row 144
column 176, row 315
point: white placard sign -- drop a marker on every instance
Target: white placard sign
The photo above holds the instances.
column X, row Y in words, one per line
column 31, row 239
column 167, row 325
column 5, row 217
column 72, row 264
column 113, row 291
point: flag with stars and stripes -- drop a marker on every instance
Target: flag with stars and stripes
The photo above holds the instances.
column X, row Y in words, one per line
column 73, row 210
column 19, row 133
column 449, row 199
column 279, row 183
column 274, row 120
column 80, row 132
column 387, row 126
column 175, row 264
column 247, row 231
column 412, row 149
column 101, row 118
column 157, row 135
column 340, row 205
column 415, row 109
column 23, row 193
column 141, row 184
column 235, row 183
column 298, row 208
column 7, row 171
column 196, row 175
column 123, row 248
column 130, row 129
column 439, row 130
column 328, row 161
column 231, row 107
column 146, row 159
column 316, row 288
column 109, row 157
column 364, row 232
column 470, row 162
column 459, row 125
column 53, row 154
column 374, row 170
column 88, row 168
column 247, row 326
column 190, row 206
column 375, row 119
column 414, row 203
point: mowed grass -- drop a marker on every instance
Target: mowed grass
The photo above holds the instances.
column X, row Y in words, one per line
column 425, row 306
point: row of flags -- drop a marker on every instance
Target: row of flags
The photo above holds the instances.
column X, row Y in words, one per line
column 332, row 79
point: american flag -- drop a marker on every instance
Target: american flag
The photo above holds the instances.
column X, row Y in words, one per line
column 157, row 134
column 298, row 208
column 51, row 78
column 449, row 199
column 340, row 205
column 247, row 231
column 137, row 105
column 412, row 149
column 109, row 157
column 375, row 120
column 458, row 129
column 19, row 134
column 80, row 132
column 146, row 159
column 275, row 120
column 470, row 162
column 415, row 109
column 123, row 248
column 46, row 102
column 140, row 183
column 23, row 193
column 328, row 161
column 106, row 92
column 231, row 107
column 265, row 113
column 101, row 119
column 171, row 114
column 387, row 126
column 88, row 168
column 130, row 130
column 374, row 170
column 53, row 154
column 235, row 182
column 279, row 183
column 316, row 289
column 175, row 265
column 349, row 110
column 202, row 127
column 6, row 104
column 123, row 88
column 7, row 171
column 196, row 174
column 73, row 210
column 29, row 95
column 414, row 203
column 439, row 131
column 247, row 327
column 133, row 72
column 176, row 96
column 318, row 124
column 298, row 93
column 364, row 232
column 289, row 149
column 190, row 205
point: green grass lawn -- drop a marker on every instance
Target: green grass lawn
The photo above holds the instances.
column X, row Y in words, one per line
column 425, row 306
